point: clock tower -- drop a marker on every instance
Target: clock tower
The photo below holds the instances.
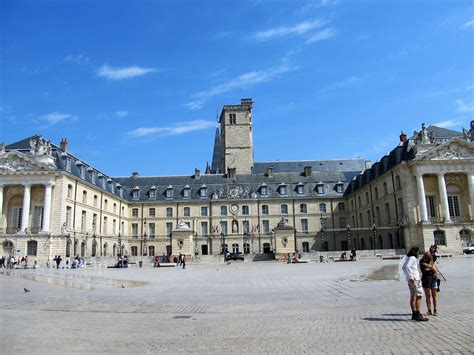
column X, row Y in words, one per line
column 236, row 137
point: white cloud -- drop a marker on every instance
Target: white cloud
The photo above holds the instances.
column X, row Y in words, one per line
column 179, row 128
column 347, row 82
column 77, row 58
column 121, row 114
column 56, row 117
column 315, row 4
column 321, row 35
column 468, row 25
column 242, row 81
column 448, row 123
column 464, row 107
column 298, row 29
column 122, row 73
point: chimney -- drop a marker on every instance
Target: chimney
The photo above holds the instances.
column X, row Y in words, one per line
column 270, row 171
column 307, row 171
column 231, row 172
column 246, row 102
column 63, row 145
column 197, row 174
column 135, row 174
column 403, row 137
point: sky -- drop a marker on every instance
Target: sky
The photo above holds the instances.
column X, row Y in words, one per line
column 138, row 85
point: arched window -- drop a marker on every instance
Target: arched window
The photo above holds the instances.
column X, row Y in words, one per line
column 32, row 247
column 305, row 247
column 439, row 237
column 380, row 242
column 114, row 250
column 84, row 196
column 465, row 237
column 398, row 183
column 362, row 244
column 68, row 247
column 94, row 248
column 105, row 249
column 341, row 206
column 390, row 240
column 69, row 191
column 83, row 249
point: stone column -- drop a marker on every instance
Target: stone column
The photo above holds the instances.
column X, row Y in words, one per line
column 470, row 184
column 25, row 214
column 421, row 198
column 47, row 207
column 1, row 207
column 443, row 195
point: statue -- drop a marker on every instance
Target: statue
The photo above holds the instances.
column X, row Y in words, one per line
column 2, row 148
column 235, row 227
column 425, row 139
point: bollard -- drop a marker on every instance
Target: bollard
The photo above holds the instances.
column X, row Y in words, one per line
column 140, row 263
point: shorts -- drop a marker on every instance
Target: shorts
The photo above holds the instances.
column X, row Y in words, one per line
column 416, row 289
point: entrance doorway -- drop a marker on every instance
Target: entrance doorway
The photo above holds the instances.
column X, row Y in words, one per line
column 8, row 248
column 266, row 248
column 204, row 249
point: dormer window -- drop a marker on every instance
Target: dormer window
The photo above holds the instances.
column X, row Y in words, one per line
column 187, row 192
column 169, row 192
column 66, row 161
column 264, row 190
column 111, row 184
column 282, row 188
column 300, row 189
column 339, row 187
column 203, row 191
column 320, row 188
column 136, row 193
column 93, row 177
column 152, row 192
column 82, row 169
column 120, row 190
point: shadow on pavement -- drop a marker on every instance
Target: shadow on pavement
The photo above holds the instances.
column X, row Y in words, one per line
column 376, row 319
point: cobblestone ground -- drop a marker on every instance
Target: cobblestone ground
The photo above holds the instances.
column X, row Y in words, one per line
column 352, row 307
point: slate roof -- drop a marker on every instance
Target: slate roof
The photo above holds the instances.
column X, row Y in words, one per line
column 316, row 165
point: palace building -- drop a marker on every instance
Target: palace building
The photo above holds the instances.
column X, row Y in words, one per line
column 421, row 193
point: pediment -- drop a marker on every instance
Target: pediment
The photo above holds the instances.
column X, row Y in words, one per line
column 15, row 161
column 454, row 149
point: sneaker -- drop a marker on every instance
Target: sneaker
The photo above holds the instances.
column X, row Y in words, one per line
column 428, row 313
column 421, row 318
column 435, row 313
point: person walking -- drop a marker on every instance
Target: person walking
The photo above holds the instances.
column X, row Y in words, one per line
column 183, row 261
column 412, row 274
column 429, row 281
column 58, row 261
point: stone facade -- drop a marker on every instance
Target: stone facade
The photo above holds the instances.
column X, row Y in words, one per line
column 52, row 203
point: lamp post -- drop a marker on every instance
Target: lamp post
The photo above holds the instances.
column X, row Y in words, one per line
column 348, row 230
column 322, row 238
column 246, row 240
column 223, row 243
column 119, row 249
column 144, row 240
column 374, row 230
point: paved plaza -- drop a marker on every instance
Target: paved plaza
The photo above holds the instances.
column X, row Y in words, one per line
column 261, row 307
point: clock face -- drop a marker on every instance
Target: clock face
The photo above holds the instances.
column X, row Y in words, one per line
column 234, row 208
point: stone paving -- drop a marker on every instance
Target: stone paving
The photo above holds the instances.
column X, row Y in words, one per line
column 265, row 307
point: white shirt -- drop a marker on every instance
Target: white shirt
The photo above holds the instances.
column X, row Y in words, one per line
column 410, row 268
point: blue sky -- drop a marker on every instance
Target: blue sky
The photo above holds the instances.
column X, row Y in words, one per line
column 137, row 85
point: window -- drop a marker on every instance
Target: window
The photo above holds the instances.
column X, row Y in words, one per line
column 235, row 248
column 232, row 118
column 361, row 221
column 431, row 207
column 283, row 189
column 387, row 213
column 246, row 248
column 342, row 222
column 320, row 188
column 84, row 196
column 246, row 227
column 398, row 183
column 204, row 228
column 284, row 209
column 169, row 212
column 439, row 237
column 203, row 211
column 339, row 188
column 305, row 247
column 169, row 228
column 114, row 227
column 38, row 217
column 264, row 209
column 245, row 210
column 134, row 230
column 353, row 221
column 151, row 250
column 69, row 191
column 341, row 207
column 82, row 171
column 134, row 250
column 152, row 193
column 123, row 211
column 93, row 175
column 114, row 209
column 95, row 200
column 120, row 191
column 303, row 208
column 135, row 212
column 104, row 229
column 300, row 189
column 453, row 205
column 264, row 190
column 112, row 186
column 186, row 212
column 151, row 212
column 223, row 210
column 32, row 248
column 401, row 210
column 376, row 193
column 186, row 192
column 367, row 198
column 385, row 189
column 266, row 226
column 224, row 227
column 322, row 207
column 106, row 205
column 324, row 223
column 68, row 164
column 369, row 217
column 151, row 230
column 377, row 216
column 83, row 221
column 203, row 192
column 94, row 223
column 103, row 182
column 304, row 225
column 122, row 228
column 68, row 216
column 359, row 203
column 135, row 194
column 169, row 192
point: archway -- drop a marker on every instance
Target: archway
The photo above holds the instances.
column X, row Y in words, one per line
column 8, row 248
column 465, row 237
